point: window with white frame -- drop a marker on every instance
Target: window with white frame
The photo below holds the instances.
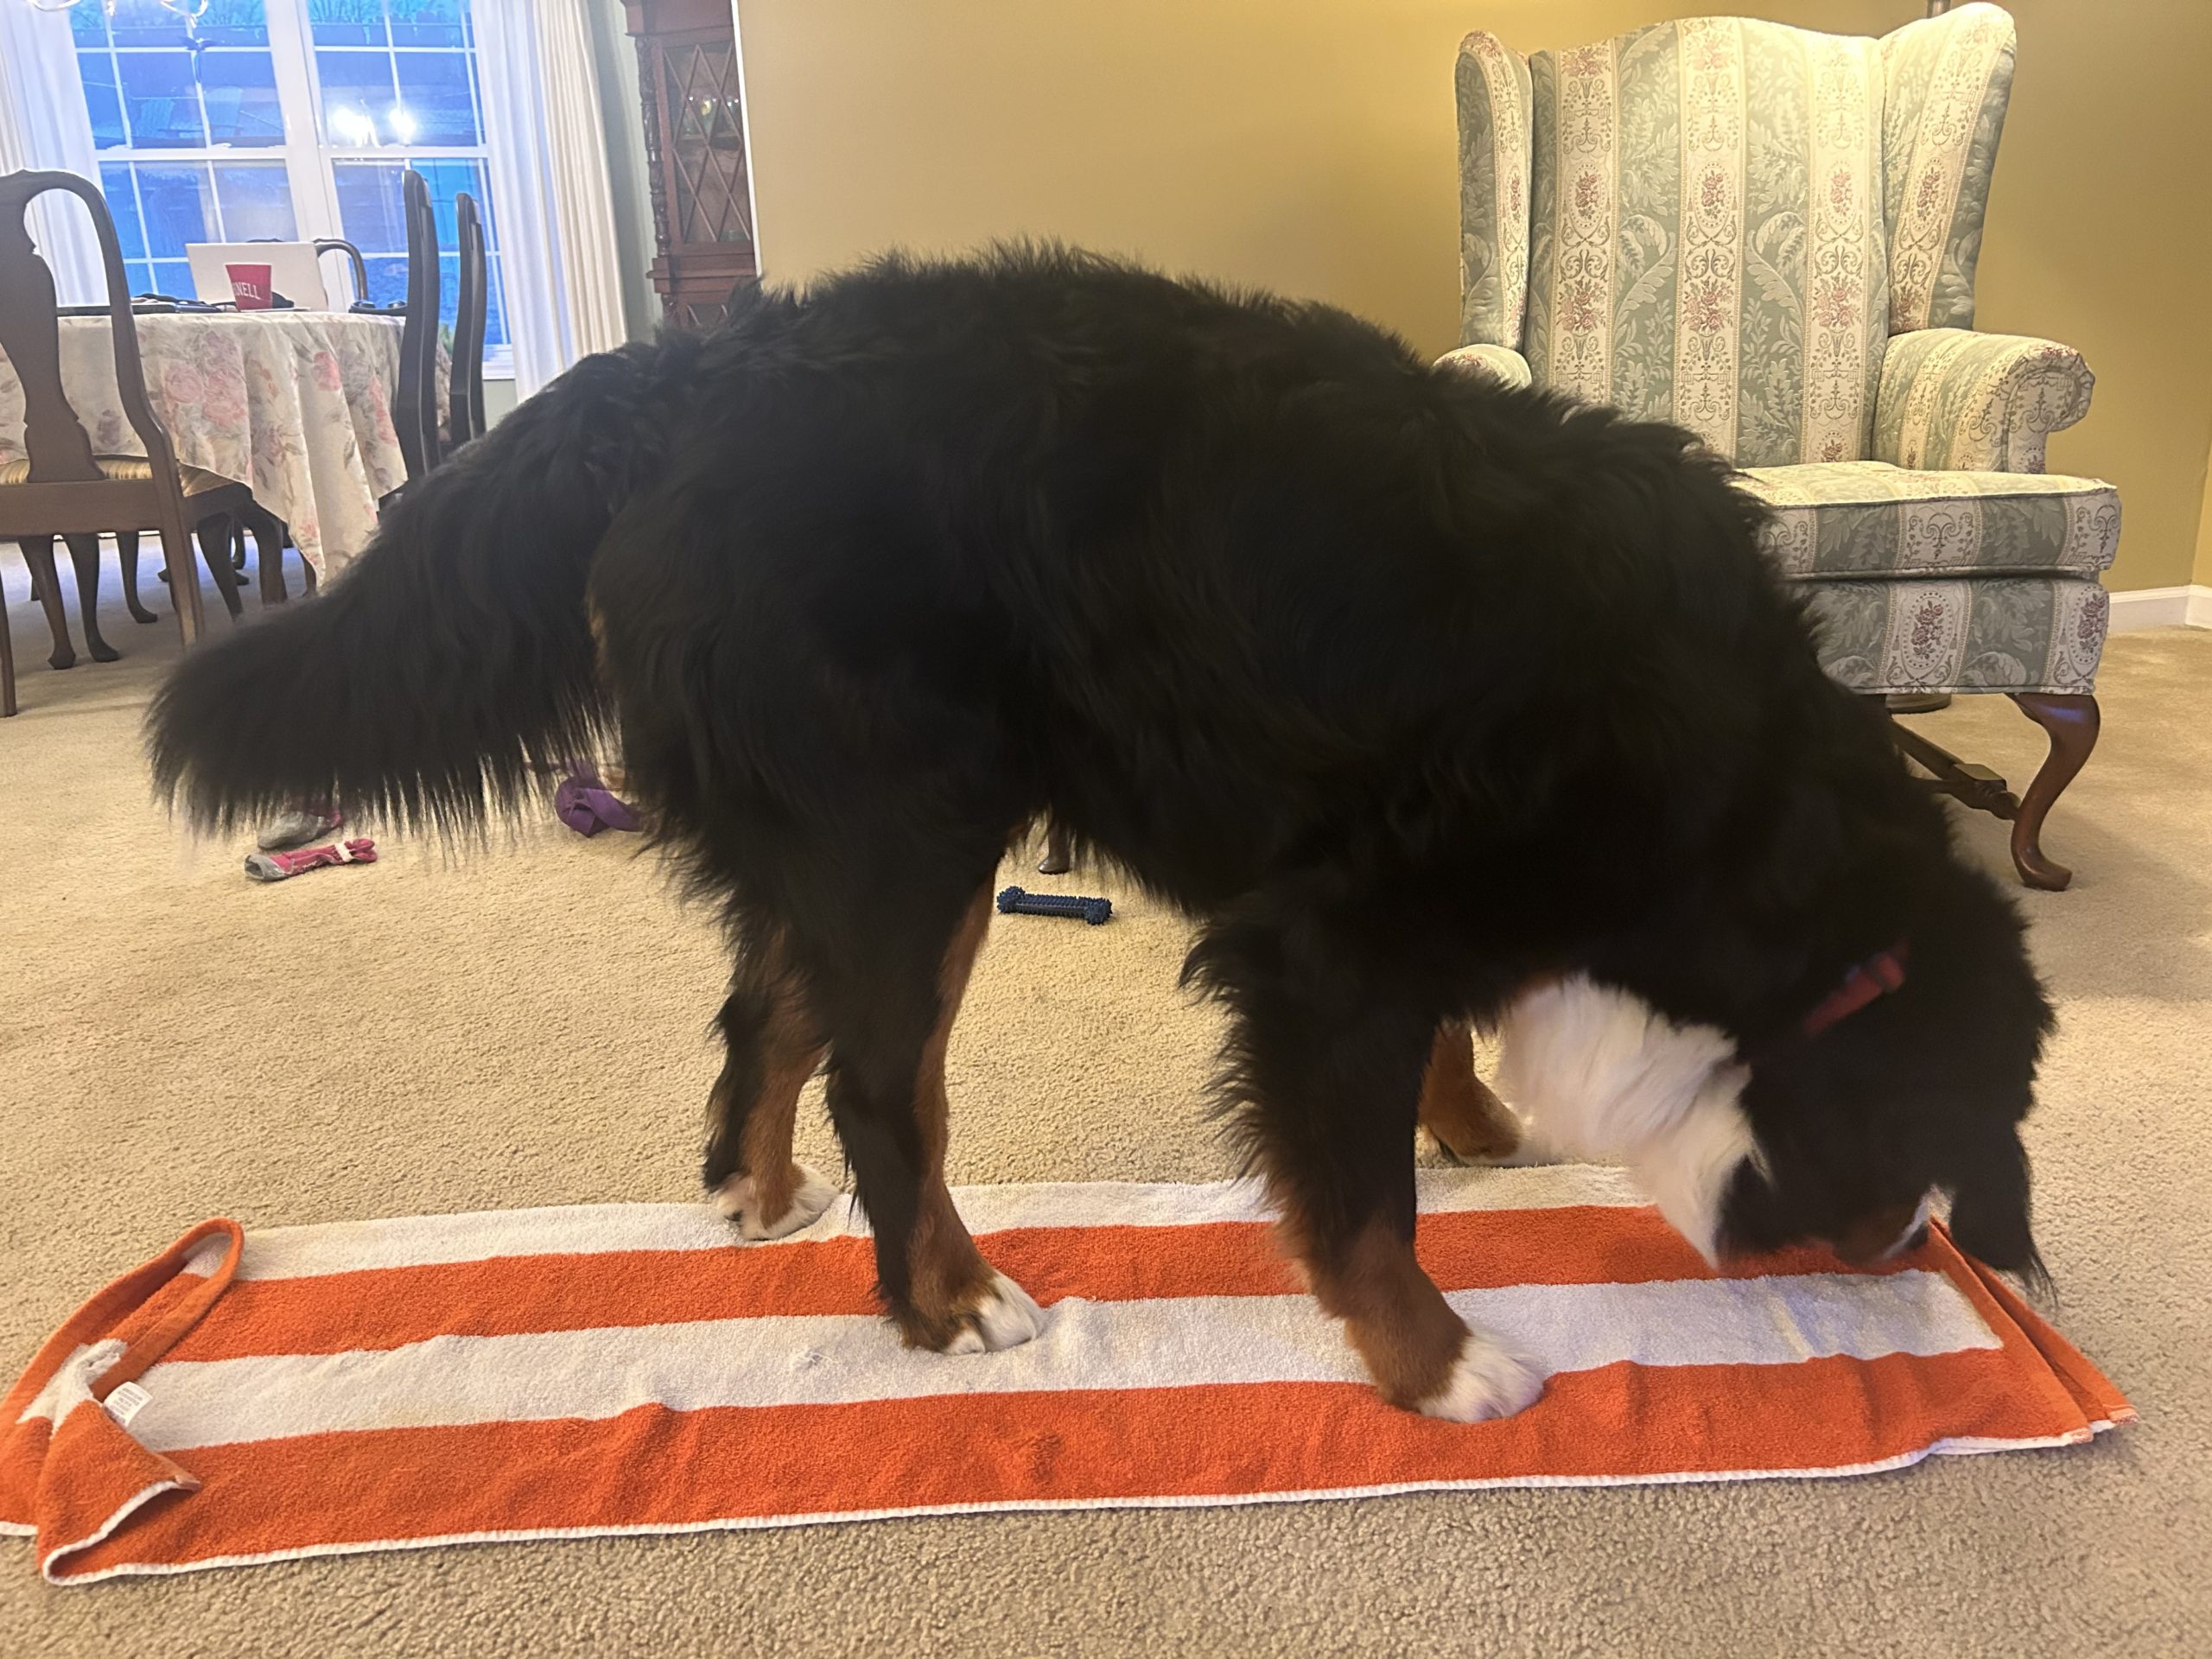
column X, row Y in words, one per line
column 230, row 120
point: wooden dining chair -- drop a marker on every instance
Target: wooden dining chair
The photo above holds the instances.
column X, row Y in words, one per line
column 60, row 487
column 414, row 403
column 414, row 413
column 465, row 399
column 359, row 266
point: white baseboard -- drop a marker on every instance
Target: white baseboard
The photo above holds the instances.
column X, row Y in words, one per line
column 2162, row 608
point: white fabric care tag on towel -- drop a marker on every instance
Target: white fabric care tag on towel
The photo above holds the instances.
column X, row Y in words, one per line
column 126, row 1401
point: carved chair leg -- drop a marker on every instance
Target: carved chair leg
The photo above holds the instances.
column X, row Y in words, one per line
column 215, row 548
column 268, row 549
column 38, row 553
column 85, row 554
column 184, row 583
column 2072, row 720
column 126, row 555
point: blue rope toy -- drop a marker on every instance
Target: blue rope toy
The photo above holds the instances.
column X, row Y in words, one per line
column 1014, row 902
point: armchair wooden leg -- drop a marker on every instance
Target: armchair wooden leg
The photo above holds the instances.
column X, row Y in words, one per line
column 126, row 555
column 2072, row 720
column 1059, row 858
column 85, row 554
column 6, row 667
column 215, row 548
column 38, row 553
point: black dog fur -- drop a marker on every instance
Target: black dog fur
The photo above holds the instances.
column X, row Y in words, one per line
column 1410, row 689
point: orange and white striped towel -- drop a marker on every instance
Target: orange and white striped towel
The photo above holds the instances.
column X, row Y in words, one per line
column 625, row 1368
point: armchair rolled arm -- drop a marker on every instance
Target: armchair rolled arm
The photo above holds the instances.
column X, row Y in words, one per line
column 1500, row 363
column 1952, row 400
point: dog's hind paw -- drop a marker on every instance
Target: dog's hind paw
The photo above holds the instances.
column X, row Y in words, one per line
column 1485, row 1381
column 1004, row 1317
column 743, row 1200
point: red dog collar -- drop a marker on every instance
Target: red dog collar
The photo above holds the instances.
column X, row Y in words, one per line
column 1868, row 980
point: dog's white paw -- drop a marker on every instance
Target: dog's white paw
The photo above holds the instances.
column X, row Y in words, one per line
column 1533, row 1150
column 739, row 1200
column 1005, row 1318
column 1486, row 1382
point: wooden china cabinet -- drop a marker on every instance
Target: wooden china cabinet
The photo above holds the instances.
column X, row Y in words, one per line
column 694, row 155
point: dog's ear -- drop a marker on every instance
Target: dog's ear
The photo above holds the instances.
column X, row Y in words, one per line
column 1989, row 1207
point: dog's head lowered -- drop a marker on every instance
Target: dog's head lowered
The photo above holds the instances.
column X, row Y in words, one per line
column 1920, row 1090
column 1840, row 1137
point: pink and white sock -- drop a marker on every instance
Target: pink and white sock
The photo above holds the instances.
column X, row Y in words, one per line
column 279, row 867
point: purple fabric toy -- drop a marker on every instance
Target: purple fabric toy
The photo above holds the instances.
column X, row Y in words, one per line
column 587, row 806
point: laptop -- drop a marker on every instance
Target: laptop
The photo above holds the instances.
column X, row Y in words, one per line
column 293, row 271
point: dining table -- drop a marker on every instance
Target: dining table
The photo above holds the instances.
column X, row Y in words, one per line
column 296, row 403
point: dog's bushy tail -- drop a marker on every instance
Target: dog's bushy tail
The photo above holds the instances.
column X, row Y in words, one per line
column 457, row 652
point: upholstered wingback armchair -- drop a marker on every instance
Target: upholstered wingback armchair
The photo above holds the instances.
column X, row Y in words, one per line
column 1768, row 237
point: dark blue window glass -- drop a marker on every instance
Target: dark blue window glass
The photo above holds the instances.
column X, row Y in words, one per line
column 347, row 23
column 103, row 99
column 257, row 201
column 161, row 99
column 144, row 22
column 357, row 97
column 495, row 311
column 233, row 22
column 428, row 23
column 178, row 205
column 239, row 90
column 437, row 97
column 123, row 208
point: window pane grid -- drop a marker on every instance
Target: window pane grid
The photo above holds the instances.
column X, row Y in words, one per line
column 177, row 109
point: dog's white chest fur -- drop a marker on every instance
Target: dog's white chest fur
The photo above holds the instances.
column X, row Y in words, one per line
column 1602, row 1076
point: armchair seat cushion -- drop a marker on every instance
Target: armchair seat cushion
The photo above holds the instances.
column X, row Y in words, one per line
column 1866, row 520
column 1987, row 633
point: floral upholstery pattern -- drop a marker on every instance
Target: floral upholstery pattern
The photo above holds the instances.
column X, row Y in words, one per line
column 1989, row 633
column 1769, row 237
column 296, row 403
column 1947, row 81
column 1984, row 403
column 1868, row 518
column 1500, row 363
column 1708, row 244
column 1493, row 91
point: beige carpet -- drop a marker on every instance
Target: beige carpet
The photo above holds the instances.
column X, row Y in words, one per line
column 526, row 1026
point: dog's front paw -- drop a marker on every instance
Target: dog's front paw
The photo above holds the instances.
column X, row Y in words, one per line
column 1485, row 1382
column 1003, row 1316
column 775, row 1209
column 987, row 1313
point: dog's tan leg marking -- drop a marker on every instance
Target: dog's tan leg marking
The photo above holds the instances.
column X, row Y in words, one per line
column 1422, row 1355
column 957, row 1303
column 1457, row 1108
column 771, row 1195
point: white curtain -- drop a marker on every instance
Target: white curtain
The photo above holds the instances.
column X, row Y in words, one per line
column 44, row 123
column 553, row 211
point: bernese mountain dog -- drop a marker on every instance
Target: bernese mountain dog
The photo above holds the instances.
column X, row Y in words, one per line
column 1429, row 701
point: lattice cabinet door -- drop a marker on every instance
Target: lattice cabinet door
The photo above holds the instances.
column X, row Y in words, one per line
column 694, row 155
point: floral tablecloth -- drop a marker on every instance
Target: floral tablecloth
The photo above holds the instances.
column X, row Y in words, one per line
column 296, row 404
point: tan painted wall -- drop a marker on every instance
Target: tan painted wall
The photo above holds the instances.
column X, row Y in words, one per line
column 2204, row 527
column 2100, row 235
column 1307, row 145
